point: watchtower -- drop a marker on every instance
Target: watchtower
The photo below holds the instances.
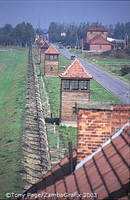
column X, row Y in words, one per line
column 51, row 61
column 75, row 87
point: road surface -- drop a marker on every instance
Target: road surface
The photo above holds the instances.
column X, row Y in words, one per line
column 117, row 87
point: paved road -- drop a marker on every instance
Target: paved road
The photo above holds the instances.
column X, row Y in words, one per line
column 117, row 87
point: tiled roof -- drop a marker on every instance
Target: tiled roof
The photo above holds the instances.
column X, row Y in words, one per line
column 76, row 70
column 97, row 28
column 52, row 50
column 105, row 173
column 98, row 39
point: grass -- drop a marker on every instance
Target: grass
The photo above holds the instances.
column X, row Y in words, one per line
column 108, row 63
column 13, row 65
column 63, row 63
column 98, row 93
column 66, row 134
column 53, row 90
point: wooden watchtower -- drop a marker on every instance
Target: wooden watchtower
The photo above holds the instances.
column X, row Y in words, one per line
column 51, row 61
column 75, row 87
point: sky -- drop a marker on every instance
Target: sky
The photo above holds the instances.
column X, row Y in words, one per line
column 42, row 12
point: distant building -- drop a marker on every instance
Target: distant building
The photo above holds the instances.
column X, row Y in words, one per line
column 96, row 39
column 51, row 61
column 75, row 87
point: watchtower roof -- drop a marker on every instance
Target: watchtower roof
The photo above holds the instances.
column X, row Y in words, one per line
column 76, row 70
column 52, row 50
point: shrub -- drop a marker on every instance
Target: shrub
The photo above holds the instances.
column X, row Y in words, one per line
column 125, row 70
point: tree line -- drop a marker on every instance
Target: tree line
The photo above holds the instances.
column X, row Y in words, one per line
column 75, row 33
column 22, row 34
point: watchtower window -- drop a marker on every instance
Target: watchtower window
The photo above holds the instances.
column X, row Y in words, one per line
column 66, row 84
column 47, row 57
column 83, row 85
column 51, row 57
column 75, row 85
column 55, row 57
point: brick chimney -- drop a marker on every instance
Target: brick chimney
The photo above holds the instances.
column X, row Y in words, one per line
column 96, row 123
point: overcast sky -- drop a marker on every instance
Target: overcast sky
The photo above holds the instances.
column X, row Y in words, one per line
column 44, row 12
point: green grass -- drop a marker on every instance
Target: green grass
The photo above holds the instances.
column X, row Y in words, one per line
column 98, row 93
column 13, row 65
column 63, row 63
column 66, row 134
column 53, row 90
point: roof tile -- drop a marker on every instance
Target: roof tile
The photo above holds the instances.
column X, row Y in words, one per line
column 76, row 70
column 51, row 50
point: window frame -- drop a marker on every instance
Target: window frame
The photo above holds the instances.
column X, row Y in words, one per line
column 84, row 85
column 66, row 83
column 75, row 85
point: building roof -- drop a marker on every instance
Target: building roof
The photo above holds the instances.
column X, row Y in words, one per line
column 40, row 41
column 97, row 28
column 76, row 70
column 105, row 173
column 44, row 45
column 52, row 50
column 98, row 39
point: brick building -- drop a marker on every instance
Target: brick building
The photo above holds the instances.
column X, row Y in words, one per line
column 103, row 174
column 96, row 39
column 51, row 61
column 75, row 86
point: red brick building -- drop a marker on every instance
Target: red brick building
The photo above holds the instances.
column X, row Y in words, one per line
column 75, row 86
column 51, row 61
column 96, row 39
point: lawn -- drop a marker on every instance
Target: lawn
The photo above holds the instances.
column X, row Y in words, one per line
column 63, row 63
column 13, row 63
column 98, row 93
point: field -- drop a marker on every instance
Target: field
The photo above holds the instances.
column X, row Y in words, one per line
column 110, row 64
column 13, row 63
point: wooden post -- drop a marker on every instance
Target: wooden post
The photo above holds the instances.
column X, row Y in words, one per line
column 54, row 128
column 58, row 141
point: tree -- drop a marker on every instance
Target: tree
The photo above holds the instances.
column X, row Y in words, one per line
column 23, row 34
column 119, row 31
